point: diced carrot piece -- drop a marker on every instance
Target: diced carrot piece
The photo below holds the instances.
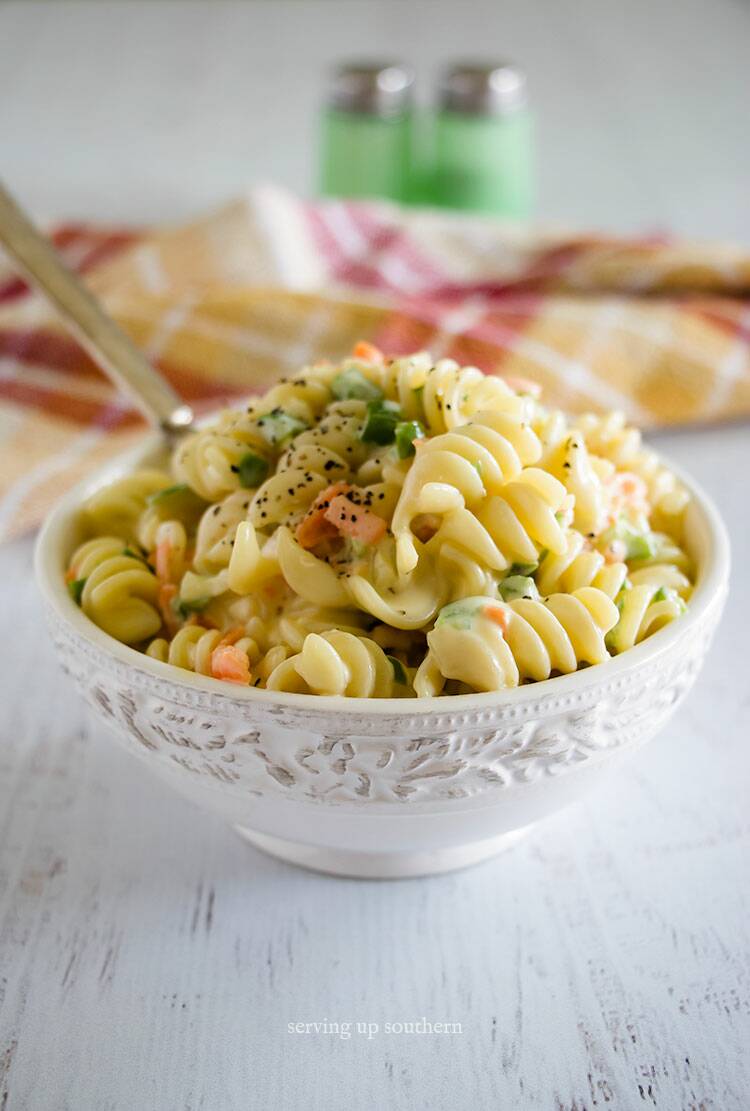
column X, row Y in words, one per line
column 355, row 521
column 231, row 636
column 634, row 487
column 167, row 592
column 367, row 351
column 274, row 588
column 630, row 490
column 313, row 528
column 334, row 514
column 497, row 615
column 231, row 664
column 163, row 560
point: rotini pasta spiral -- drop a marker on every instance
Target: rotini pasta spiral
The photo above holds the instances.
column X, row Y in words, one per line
column 507, row 528
column 115, row 509
column 578, row 566
column 489, row 645
column 178, row 504
column 389, row 527
column 372, row 584
column 211, row 461
column 194, row 648
column 644, row 609
column 611, row 437
column 444, row 395
column 402, row 603
column 460, row 468
column 667, row 575
column 337, row 663
column 317, row 458
column 299, row 620
column 117, row 591
column 216, row 532
column 566, row 456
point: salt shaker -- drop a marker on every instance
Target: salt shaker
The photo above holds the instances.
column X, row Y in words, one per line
column 367, row 132
column 483, row 157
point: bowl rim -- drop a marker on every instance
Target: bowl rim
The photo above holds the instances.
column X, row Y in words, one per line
column 48, row 567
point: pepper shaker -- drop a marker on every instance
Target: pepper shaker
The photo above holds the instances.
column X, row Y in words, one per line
column 483, row 157
column 367, row 132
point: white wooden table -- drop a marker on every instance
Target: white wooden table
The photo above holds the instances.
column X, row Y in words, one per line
column 148, row 958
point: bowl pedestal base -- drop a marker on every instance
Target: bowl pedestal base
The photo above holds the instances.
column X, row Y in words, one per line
column 383, row 865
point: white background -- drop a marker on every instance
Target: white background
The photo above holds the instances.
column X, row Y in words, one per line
column 148, row 959
column 147, row 110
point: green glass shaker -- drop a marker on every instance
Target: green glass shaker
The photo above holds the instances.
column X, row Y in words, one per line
column 483, row 156
column 366, row 142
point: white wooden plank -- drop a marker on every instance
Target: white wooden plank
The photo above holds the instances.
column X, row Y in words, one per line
column 149, row 959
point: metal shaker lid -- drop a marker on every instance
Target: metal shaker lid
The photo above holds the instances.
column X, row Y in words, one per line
column 482, row 88
column 372, row 88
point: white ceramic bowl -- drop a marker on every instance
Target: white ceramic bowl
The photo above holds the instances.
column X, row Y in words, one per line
column 381, row 787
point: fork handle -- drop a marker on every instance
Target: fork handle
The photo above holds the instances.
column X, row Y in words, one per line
column 104, row 340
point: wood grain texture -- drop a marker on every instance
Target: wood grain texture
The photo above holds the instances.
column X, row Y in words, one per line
column 151, row 960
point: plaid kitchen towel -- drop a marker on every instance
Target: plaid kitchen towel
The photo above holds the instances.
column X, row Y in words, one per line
column 658, row 329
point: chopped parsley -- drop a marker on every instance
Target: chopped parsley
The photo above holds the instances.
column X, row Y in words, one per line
column 399, row 675
column 278, row 426
column 407, row 431
column 518, row 586
column 382, row 420
column 252, row 469
column 460, row 614
column 167, row 492
column 638, row 545
column 351, row 385
column 522, row 569
column 183, row 608
column 178, row 502
column 668, row 594
column 75, row 589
